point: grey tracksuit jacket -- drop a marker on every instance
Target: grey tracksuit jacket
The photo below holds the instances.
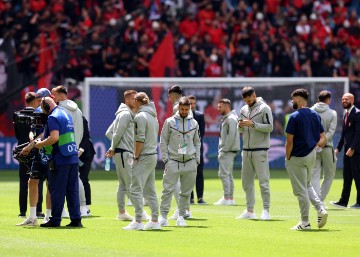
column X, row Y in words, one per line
column 254, row 138
column 121, row 131
column 177, row 130
column 147, row 126
column 328, row 120
column 229, row 140
column 71, row 108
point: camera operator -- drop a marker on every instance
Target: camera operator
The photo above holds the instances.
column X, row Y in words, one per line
column 59, row 145
column 22, row 133
column 38, row 169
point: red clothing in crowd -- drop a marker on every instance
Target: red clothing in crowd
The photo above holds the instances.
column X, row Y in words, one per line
column 213, row 70
column 37, row 5
column 188, row 28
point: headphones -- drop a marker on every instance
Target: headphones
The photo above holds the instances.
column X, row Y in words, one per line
column 45, row 105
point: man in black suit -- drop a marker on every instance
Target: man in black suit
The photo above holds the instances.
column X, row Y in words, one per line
column 199, row 117
column 86, row 155
column 350, row 139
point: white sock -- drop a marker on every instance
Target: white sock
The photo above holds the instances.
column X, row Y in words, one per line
column 32, row 213
column 88, row 207
column 48, row 213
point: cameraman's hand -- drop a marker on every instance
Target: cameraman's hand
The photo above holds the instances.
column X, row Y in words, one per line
column 26, row 150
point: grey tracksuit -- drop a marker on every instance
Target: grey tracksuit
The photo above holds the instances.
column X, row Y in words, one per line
column 229, row 144
column 325, row 160
column 177, row 187
column 143, row 171
column 121, row 134
column 256, row 142
column 180, row 147
column 72, row 108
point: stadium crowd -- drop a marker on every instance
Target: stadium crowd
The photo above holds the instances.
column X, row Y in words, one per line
column 212, row 38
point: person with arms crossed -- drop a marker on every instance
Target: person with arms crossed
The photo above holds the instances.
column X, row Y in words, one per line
column 325, row 158
column 304, row 133
column 255, row 125
column 180, row 149
column 145, row 159
column 350, row 140
column 121, row 134
column 199, row 117
column 59, row 144
column 229, row 145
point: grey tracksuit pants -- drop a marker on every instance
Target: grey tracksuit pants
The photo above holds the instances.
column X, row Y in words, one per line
column 187, row 174
column 300, row 173
column 325, row 164
column 143, row 184
column 226, row 167
column 255, row 163
column 123, row 171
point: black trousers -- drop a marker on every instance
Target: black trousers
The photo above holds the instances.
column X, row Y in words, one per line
column 199, row 181
column 351, row 171
column 24, row 189
column 84, row 171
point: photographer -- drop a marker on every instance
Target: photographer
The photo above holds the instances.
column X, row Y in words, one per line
column 22, row 131
column 59, row 144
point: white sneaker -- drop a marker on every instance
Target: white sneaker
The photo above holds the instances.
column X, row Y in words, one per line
column 134, row 226
column 301, row 226
column 247, row 215
column 28, row 222
column 222, row 201
column 84, row 211
column 180, row 222
column 145, row 216
column 46, row 220
column 188, row 214
column 152, row 225
column 322, row 218
column 323, row 206
column 265, row 215
column 146, row 202
column 65, row 214
column 163, row 222
column 129, row 203
column 124, row 216
column 231, row 202
column 175, row 215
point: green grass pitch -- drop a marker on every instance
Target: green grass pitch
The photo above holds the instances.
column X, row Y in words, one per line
column 214, row 231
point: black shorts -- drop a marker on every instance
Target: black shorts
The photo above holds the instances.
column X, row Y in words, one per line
column 38, row 170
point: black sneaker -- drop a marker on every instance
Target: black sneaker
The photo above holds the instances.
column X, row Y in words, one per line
column 40, row 215
column 192, row 201
column 49, row 224
column 22, row 215
column 338, row 204
column 201, row 201
column 355, row 206
column 75, row 224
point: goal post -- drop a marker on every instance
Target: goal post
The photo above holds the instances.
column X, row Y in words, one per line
column 102, row 96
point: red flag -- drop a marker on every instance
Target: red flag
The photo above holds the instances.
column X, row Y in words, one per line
column 46, row 62
column 162, row 64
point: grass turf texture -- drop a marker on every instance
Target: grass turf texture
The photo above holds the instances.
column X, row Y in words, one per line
column 213, row 231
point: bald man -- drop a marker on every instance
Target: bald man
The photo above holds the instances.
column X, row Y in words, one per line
column 350, row 139
column 59, row 146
